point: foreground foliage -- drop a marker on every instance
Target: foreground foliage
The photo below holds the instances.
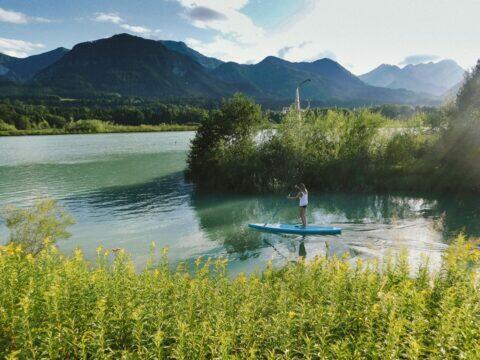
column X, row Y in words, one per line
column 58, row 307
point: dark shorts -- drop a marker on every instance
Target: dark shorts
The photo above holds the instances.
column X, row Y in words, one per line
column 304, row 206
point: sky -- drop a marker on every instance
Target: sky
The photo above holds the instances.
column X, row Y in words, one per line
column 359, row 34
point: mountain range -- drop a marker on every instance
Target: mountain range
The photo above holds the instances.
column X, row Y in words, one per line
column 432, row 78
column 133, row 66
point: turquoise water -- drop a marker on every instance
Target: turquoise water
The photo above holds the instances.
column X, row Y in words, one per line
column 127, row 190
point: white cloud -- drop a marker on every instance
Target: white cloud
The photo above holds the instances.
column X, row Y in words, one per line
column 13, row 17
column 43, row 20
column 116, row 19
column 418, row 59
column 18, row 48
column 224, row 17
column 108, row 17
column 136, row 29
column 363, row 33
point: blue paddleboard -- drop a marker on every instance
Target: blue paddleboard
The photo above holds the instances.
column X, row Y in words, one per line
column 297, row 229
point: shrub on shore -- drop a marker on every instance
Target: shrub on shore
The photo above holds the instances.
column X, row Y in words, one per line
column 58, row 307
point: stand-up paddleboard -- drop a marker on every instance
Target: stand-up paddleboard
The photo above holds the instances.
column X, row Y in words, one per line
column 297, row 229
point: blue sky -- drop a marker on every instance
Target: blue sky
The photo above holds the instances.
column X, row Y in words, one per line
column 360, row 34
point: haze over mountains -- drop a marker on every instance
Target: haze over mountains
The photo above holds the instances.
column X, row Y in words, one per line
column 432, row 78
column 133, row 66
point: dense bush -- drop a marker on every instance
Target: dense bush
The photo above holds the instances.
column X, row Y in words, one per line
column 87, row 126
column 6, row 127
column 58, row 307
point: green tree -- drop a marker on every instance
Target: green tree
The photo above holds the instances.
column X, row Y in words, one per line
column 231, row 128
column 22, row 123
column 30, row 227
column 459, row 147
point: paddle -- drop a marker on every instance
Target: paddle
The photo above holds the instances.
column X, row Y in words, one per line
column 276, row 212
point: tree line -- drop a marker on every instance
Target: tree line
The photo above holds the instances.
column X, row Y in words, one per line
column 35, row 114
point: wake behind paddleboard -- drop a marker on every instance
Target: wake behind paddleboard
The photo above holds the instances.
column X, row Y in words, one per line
column 297, row 229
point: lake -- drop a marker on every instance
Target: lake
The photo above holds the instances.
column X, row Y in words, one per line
column 127, row 190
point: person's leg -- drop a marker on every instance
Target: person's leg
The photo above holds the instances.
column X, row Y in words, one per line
column 300, row 209
column 302, row 216
column 305, row 216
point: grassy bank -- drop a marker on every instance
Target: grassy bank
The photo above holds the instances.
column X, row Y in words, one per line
column 98, row 127
column 58, row 307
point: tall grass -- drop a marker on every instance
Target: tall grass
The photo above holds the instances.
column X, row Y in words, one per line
column 61, row 307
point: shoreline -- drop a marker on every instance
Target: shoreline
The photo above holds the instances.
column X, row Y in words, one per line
column 116, row 130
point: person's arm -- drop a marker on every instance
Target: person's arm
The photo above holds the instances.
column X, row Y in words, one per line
column 294, row 197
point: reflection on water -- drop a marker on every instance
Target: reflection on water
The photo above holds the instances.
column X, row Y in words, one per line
column 128, row 190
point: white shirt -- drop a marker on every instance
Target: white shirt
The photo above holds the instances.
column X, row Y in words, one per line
column 304, row 198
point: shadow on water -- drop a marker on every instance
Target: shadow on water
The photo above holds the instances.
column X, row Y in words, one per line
column 163, row 194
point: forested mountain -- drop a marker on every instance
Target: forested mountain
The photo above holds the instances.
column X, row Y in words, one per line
column 128, row 65
column 432, row 78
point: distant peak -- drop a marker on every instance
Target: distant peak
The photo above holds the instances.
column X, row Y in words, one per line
column 123, row 35
column 60, row 49
column 325, row 60
column 388, row 66
column 272, row 60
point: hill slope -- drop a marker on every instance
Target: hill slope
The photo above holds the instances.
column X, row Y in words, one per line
column 182, row 48
column 432, row 78
column 130, row 65
column 5, row 61
column 26, row 68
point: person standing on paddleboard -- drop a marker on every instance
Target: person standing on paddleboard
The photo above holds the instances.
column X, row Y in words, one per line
column 302, row 196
